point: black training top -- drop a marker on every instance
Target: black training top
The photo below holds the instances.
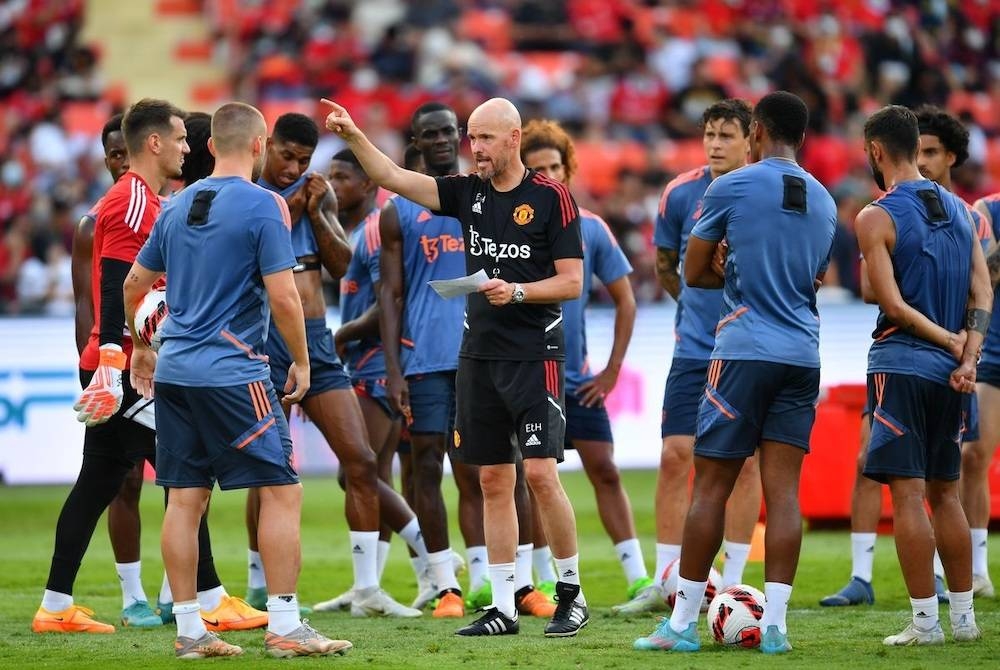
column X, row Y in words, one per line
column 516, row 236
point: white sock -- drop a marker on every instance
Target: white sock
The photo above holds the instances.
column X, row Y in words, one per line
column 959, row 605
column 687, row 605
column 925, row 612
column 364, row 554
column 776, row 597
column 862, row 555
column 255, row 570
column 54, row 601
column 938, row 566
column 130, row 576
column 211, row 598
column 166, row 595
column 541, row 559
column 568, row 570
column 382, row 556
column 522, row 567
column 419, row 565
column 665, row 555
column 442, row 570
column 188, row 617
column 283, row 614
column 479, row 566
column 980, row 565
column 502, row 579
column 414, row 538
column 630, row 556
column 736, row 554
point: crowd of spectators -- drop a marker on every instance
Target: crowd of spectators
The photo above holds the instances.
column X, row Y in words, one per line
column 629, row 78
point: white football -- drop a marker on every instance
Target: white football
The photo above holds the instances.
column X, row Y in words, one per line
column 150, row 316
column 668, row 584
column 734, row 616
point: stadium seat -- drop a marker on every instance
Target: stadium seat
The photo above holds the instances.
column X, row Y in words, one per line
column 209, row 93
column 178, row 7
column 490, row 28
column 272, row 109
column 84, row 118
column 194, row 50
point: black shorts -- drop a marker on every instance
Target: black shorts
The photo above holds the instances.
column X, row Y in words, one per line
column 120, row 437
column 503, row 406
column 916, row 429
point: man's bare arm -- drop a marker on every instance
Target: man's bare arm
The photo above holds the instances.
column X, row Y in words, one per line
column 667, row 262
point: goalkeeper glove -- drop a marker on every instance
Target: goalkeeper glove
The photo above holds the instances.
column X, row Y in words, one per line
column 103, row 397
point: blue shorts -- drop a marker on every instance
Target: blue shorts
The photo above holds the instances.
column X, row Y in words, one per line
column 432, row 403
column 988, row 374
column 374, row 390
column 234, row 434
column 326, row 372
column 682, row 395
column 588, row 424
column 916, row 428
column 747, row 402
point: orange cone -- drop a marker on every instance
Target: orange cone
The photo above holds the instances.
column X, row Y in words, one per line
column 757, row 543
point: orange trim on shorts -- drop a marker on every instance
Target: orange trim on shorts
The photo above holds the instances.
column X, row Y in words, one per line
column 256, row 401
column 879, row 378
column 888, row 425
column 260, row 431
column 719, row 405
column 886, row 333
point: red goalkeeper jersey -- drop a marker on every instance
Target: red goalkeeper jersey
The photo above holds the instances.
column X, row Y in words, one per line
column 122, row 226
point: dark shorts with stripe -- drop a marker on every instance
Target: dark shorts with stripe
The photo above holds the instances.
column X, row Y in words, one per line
column 432, row 403
column 505, row 406
column 587, row 424
column 120, row 437
column 375, row 390
column 326, row 372
column 683, row 393
column 916, row 429
column 988, row 374
column 236, row 435
column 747, row 402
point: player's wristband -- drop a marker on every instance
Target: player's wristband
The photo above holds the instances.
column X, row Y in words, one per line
column 113, row 356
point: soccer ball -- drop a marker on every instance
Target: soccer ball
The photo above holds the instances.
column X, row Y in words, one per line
column 150, row 316
column 668, row 584
column 734, row 616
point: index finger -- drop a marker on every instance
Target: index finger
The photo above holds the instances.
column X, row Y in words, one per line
column 332, row 105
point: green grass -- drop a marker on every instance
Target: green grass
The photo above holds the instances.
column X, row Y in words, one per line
column 822, row 637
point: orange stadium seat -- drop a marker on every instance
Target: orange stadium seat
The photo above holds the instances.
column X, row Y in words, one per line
column 209, row 93
column 178, row 7
column 677, row 156
column 490, row 28
column 196, row 50
column 85, row 118
column 272, row 109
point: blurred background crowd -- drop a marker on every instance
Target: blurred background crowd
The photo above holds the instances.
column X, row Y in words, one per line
column 629, row 78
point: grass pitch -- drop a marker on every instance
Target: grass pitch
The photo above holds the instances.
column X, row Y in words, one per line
column 822, row 637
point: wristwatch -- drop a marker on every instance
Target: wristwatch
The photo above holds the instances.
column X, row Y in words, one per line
column 518, row 295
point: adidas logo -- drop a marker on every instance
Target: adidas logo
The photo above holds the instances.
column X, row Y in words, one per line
column 533, row 441
column 680, row 594
column 287, row 599
column 510, row 579
column 357, row 549
column 569, row 573
column 626, row 556
column 870, row 550
column 921, row 614
column 726, row 556
column 254, row 566
column 476, row 560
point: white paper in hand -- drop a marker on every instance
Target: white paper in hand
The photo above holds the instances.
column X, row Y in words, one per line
column 451, row 288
